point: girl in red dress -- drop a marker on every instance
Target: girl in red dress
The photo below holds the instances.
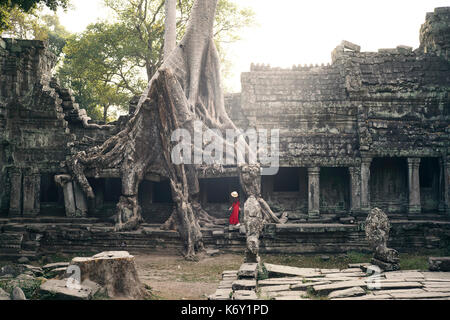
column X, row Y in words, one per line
column 234, row 217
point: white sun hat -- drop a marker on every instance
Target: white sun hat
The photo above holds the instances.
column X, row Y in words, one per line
column 234, row 194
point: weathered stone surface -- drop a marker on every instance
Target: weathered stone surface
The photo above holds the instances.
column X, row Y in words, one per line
column 221, row 294
column 325, row 288
column 279, row 281
column 439, row 263
column 302, row 286
column 393, row 285
column 245, row 295
column 279, row 270
column 292, row 297
column 23, row 260
column 4, row 295
column 424, row 295
column 351, row 292
column 17, row 294
column 59, row 290
column 244, row 285
column 377, row 228
column 113, row 270
column 289, row 293
column 248, row 270
column 282, row 287
column 50, row 266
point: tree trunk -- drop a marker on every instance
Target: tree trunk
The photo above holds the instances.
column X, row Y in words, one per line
column 105, row 113
column 170, row 34
column 113, row 270
column 186, row 88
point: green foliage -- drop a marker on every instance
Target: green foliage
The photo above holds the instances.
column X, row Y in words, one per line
column 25, row 6
column 30, row 287
column 262, row 273
column 36, row 26
column 109, row 63
column 98, row 69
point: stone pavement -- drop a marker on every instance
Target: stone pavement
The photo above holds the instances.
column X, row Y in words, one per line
column 357, row 282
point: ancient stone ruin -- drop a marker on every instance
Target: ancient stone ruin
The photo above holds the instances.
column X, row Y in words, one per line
column 371, row 129
column 377, row 233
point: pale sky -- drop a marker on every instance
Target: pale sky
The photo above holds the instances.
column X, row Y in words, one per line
column 291, row 32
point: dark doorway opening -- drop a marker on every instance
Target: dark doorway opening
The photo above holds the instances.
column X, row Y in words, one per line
column 334, row 190
column 287, row 180
column 162, row 192
column 389, row 184
column 429, row 184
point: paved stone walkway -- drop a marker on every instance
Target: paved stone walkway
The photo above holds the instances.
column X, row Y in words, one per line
column 357, row 282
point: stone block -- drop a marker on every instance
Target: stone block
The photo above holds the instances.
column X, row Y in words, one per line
column 439, row 263
column 245, row 295
column 59, row 290
column 279, row 270
column 248, row 270
column 244, row 285
column 345, row 293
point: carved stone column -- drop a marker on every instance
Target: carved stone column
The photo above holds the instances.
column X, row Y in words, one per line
column 31, row 193
column 365, row 191
column 355, row 189
column 15, row 199
column 80, row 201
column 444, row 188
column 69, row 198
column 313, row 191
column 414, row 185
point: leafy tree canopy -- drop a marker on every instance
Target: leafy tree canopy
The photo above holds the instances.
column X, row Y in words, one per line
column 6, row 6
column 124, row 54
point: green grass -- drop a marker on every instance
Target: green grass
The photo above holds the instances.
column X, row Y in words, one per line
column 408, row 261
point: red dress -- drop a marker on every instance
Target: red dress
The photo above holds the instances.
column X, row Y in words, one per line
column 234, row 217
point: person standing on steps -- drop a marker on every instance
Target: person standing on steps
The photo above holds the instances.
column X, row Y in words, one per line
column 234, row 217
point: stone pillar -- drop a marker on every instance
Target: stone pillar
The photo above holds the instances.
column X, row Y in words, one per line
column 313, row 191
column 365, row 190
column 15, row 199
column 414, row 185
column 80, row 200
column 31, row 193
column 355, row 189
column 444, row 185
column 69, row 198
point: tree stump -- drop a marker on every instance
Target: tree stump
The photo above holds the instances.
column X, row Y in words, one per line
column 113, row 270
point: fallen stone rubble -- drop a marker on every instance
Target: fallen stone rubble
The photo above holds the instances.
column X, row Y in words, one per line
column 358, row 282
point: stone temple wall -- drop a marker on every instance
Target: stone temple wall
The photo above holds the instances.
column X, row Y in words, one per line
column 390, row 104
column 369, row 129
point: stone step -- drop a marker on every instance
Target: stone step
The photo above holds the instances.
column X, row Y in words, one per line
column 280, row 271
column 424, row 295
column 245, row 295
column 279, row 281
column 439, row 263
column 345, row 293
column 378, row 285
column 283, row 287
column 244, row 285
column 221, row 294
column 302, row 286
column 326, row 288
column 248, row 270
